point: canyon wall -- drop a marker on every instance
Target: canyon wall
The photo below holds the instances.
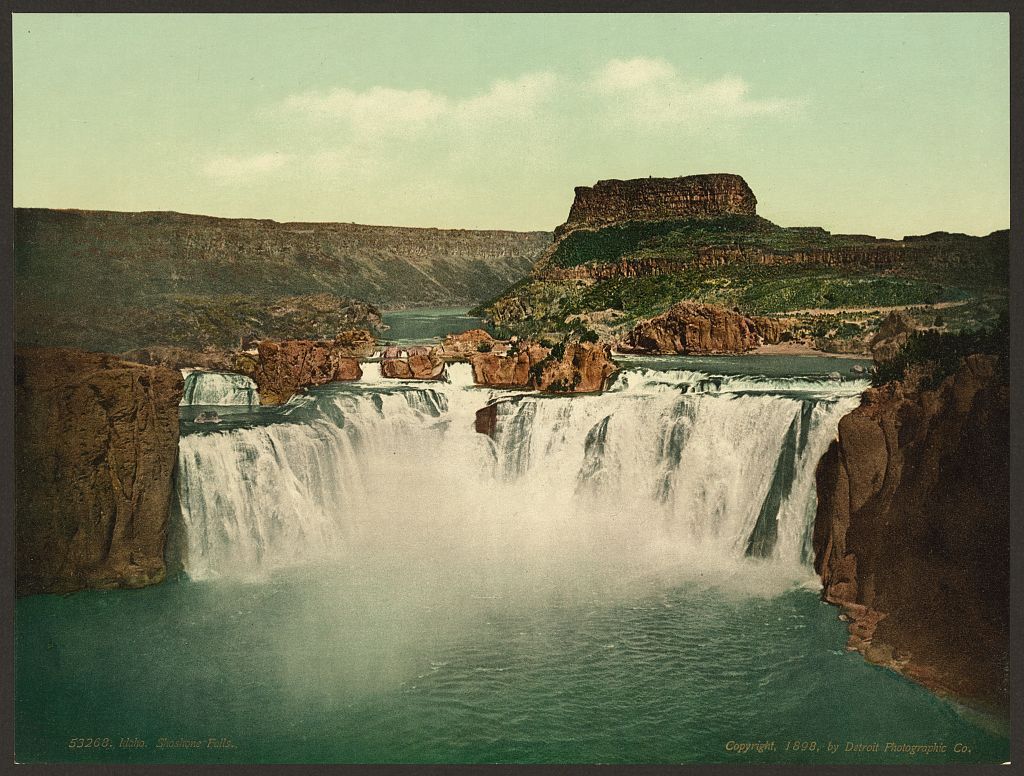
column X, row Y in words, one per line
column 96, row 441
column 116, row 281
column 911, row 536
column 692, row 196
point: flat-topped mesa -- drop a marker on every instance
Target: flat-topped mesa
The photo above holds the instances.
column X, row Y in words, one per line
column 652, row 199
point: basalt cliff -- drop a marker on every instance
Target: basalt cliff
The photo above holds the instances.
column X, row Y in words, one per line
column 658, row 199
column 911, row 536
column 630, row 250
column 116, row 281
column 96, row 440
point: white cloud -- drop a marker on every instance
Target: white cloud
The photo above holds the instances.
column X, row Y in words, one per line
column 383, row 111
column 377, row 110
column 516, row 99
column 624, row 74
column 651, row 91
column 232, row 168
column 375, row 137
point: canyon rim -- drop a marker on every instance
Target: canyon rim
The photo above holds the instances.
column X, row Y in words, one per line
column 402, row 389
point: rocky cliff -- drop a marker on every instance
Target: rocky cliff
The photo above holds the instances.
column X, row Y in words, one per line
column 698, row 329
column 632, row 249
column 656, row 199
column 116, row 281
column 95, row 447
column 911, row 536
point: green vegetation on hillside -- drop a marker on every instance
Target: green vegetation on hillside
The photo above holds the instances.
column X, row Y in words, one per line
column 679, row 239
column 939, row 354
column 754, row 289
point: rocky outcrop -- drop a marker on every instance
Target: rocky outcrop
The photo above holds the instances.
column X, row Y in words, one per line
column 214, row 359
column 419, row 364
column 583, row 367
column 468, row 343
column 575, row 367
column 95, row 447
column 486, row 420
column 511, row 370
column 281, row 369
column 891, row 336
column 911, row 536
column 653, row 199
column 355, row 343
column 694, row 328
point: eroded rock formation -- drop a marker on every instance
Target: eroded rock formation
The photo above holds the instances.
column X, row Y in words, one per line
column 694, row 328
column 911, row 536
column 692, row 196
column 420, row 364
column 576, row 367
column 281, row 369
column 508, row 371
column 468, row 343
column 891, row 336
column 95, row 447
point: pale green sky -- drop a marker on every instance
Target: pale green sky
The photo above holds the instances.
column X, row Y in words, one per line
column 886, row 124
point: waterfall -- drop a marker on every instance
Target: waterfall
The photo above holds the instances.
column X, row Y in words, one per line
column 220, row 389
column 679, row 467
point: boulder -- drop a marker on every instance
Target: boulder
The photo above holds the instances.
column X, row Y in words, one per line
column 96, row 441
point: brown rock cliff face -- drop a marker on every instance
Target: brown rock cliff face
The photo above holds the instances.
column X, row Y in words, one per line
column 690, row 327
column 911, row 536
column 692, row 196
column 96, row 442
column 284, row 368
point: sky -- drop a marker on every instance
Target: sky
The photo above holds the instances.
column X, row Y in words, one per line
column 884, row 124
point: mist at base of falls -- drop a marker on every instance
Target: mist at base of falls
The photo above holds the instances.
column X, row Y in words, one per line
column 661, row 480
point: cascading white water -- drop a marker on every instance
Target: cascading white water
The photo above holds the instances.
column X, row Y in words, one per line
column 220, row 389
column 664, row 468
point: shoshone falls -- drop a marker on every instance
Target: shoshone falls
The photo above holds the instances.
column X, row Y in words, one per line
column 361, row 576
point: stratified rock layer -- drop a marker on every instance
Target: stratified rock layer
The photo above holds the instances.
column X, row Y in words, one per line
column 693, row 328
column 911, row 536
column 95, row 447
column 652, row 199
column 282, row 369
